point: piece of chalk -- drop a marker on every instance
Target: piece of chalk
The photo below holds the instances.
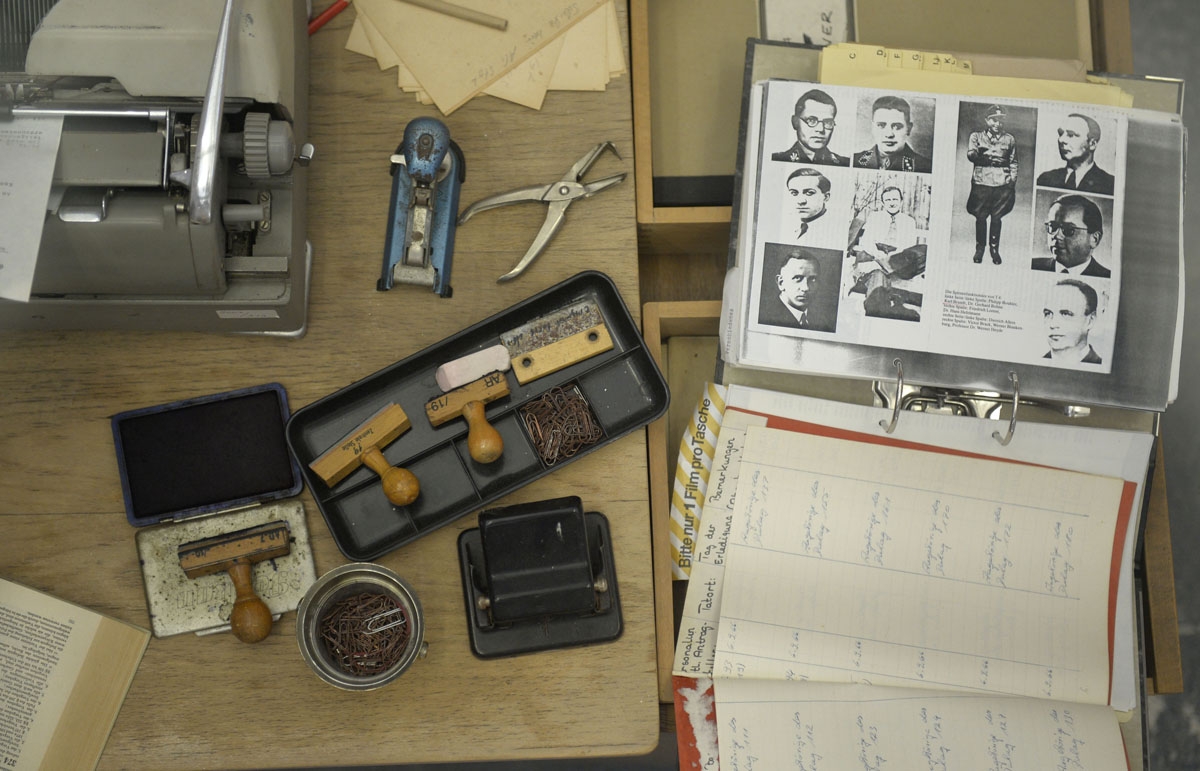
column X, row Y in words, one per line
column 471, row 367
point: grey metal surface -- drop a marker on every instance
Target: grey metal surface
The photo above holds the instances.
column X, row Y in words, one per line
column 18, row 20
column 1164, row 43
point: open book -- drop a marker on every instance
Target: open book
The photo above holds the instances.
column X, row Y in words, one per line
column 926, row 594
column 972, row 237
column 66, row 670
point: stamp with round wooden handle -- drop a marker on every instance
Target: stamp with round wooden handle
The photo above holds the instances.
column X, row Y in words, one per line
column 484, row 442
column 236, row 553
column 364, row 447
column 399, row 484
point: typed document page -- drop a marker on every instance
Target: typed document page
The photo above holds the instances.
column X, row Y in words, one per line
column 28, row 149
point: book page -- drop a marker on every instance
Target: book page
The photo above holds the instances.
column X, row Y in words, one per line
column 43, row 645
column 927, row 224
column 814, row 726
column 857, row 563
column 948, row 246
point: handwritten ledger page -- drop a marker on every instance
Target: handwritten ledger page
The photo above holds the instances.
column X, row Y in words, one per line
column 814, row 726
column 856, row 563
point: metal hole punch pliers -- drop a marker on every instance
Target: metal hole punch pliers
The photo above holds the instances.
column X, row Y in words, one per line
column 558, row 195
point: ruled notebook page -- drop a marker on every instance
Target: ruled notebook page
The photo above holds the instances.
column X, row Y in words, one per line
column 813, row 726
column 851, row 562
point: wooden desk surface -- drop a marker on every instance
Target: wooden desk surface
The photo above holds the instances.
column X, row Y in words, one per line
column 217, row 702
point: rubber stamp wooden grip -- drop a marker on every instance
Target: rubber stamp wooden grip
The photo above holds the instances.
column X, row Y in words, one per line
column 548, row 359
column 399, row 484
column 364, row 447
column 483, row 440
column 250, row 619
column 236, row 553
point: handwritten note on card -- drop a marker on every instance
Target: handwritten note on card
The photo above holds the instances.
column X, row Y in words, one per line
column 850, row 562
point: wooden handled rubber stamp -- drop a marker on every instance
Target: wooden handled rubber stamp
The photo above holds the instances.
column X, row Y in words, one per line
column 484, row 442
column 236, row 553
column 364, row 446
column 556, row 341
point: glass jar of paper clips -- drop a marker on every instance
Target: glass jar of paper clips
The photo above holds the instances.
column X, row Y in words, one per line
column 360, row 626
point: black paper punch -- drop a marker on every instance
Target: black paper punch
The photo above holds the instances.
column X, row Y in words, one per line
column 538, row 576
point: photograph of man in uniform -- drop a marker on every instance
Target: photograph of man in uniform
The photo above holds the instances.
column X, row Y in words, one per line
column 800, row 295
column 808, row 195
column 814, row 120
column 1074, row 228
column 993, row 154
column 1069, row 315
column 1078, row 136
column 891, row 129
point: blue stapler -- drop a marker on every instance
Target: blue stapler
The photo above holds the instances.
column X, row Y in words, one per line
column 427, row 170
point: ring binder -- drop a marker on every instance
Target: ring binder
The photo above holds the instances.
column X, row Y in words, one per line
column 886, row 426
column 1012, row 419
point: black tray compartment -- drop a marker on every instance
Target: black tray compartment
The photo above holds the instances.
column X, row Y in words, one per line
column 623, row 386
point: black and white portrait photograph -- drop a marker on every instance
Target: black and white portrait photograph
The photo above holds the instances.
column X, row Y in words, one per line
column 799, row 287
column 1078, row 151
column 888, row 241
column 1073, row 322
column 993, row 183
column 811, row 213
column 1073, row 236
column 814, row 123
column 895, row 133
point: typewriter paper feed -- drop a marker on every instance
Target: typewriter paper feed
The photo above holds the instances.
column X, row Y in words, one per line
column 933, row 223
column 29, row 146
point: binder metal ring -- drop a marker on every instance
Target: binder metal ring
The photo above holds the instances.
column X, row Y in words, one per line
column 1012, row 419
column 885, row 425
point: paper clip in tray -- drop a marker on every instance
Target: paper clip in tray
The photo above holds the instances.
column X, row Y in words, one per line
column 622, row 389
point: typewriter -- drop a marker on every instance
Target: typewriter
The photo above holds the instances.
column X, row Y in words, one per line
column 178, row 194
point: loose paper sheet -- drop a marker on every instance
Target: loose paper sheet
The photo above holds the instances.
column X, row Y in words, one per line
column 851, row 562
column 28, row 149
column 583, row 58
column 814, row 22
column 583, row 62
column 455, row 60
column 851, row 64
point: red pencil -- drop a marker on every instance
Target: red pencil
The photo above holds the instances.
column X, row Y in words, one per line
column 320, row 19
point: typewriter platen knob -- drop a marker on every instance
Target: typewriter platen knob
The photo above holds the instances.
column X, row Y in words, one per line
column 267, row 146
